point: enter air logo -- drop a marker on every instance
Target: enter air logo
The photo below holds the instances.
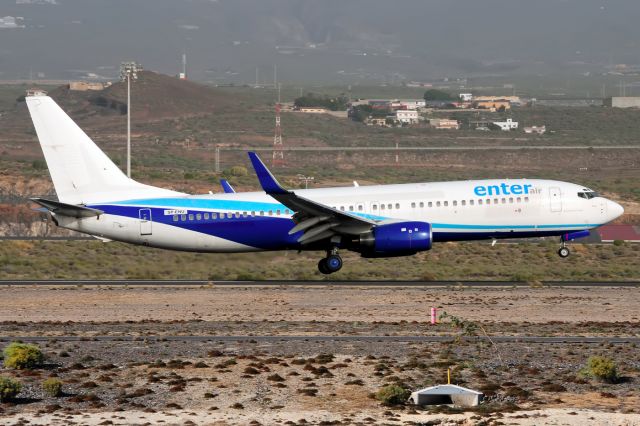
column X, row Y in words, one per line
column 502, row 189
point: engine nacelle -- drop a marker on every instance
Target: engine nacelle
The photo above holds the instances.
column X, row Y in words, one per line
column 396, row 239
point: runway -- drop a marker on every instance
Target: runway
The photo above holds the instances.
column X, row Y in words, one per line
column 315, row 283
column 328, row 338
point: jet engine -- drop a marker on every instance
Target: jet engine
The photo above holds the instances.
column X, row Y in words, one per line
column 396, row 239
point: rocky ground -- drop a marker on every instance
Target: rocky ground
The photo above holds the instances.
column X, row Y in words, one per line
column 154, row 380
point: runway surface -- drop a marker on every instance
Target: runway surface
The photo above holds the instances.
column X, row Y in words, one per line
column 327, row 338
column 277, row 283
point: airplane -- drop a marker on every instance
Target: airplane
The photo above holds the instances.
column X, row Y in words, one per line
column 95, row 197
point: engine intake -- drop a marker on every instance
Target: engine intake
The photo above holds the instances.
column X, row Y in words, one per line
column 396, row 239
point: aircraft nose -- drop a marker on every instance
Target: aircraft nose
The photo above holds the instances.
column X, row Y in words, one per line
column 614, row 209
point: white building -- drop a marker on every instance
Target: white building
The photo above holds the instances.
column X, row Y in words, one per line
column 466, row 97
column 506, row 125
column 410, row 104
column 541, row 130
column 407, row 116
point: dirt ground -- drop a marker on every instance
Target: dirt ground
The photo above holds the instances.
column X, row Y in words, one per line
column 151, row 380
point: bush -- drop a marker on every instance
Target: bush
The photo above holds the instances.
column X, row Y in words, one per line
column 393, row 395
column 22, row 356
column 601, row 368
column 52, row 386
column 9, row 388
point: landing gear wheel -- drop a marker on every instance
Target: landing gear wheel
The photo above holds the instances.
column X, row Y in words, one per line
column 333, row 263
column 564, row 252
column 322, row 267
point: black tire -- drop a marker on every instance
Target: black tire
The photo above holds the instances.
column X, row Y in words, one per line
column 322, row 267
column 563, row 252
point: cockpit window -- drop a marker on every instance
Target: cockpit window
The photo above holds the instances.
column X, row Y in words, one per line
column 587, row 195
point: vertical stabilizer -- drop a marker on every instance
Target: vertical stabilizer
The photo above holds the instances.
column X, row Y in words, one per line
column 80, row 171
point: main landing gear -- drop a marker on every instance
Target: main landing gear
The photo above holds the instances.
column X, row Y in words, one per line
column 330, row 264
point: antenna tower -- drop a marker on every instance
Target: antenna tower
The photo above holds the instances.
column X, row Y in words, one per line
column 278, row 151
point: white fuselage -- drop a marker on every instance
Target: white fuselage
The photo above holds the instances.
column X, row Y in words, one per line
column 459, row 210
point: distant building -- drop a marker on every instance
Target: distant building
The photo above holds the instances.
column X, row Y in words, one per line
column 407, row 116
column 507, row 125
column 380, row 104
column 410, row 104
column 623, row 102
column 444, row 124
column 83, row 86
column 512, row 99
column 541, row 130
column 466, row 97
column 493, row 105
column 382, row 122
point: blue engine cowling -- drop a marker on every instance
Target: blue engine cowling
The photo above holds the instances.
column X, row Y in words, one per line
column 396, row 239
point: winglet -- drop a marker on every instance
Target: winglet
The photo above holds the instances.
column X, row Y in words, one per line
column 226, row 187
column 269, row 183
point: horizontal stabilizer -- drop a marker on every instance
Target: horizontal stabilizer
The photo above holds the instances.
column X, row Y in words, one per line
column 64, row 209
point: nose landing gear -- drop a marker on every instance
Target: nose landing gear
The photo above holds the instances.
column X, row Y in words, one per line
column 564, row 251
column 330, row 264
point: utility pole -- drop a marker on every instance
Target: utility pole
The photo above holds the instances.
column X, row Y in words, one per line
column 128, row 71
column 217, row 163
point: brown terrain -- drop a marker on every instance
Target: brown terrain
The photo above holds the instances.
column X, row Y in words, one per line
column 146, row 375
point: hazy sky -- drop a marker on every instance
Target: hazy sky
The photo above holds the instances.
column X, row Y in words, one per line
column 320, row 40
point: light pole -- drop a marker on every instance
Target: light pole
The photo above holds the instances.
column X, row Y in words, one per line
column 306, row 180
column 128, row 71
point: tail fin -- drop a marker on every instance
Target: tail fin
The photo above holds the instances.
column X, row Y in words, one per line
column 80, row 171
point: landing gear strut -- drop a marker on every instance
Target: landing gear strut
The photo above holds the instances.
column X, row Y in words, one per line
column 330, row 264
column 563, row 251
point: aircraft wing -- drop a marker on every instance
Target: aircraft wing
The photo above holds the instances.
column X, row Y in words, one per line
column 317, row 220
column 65, row 209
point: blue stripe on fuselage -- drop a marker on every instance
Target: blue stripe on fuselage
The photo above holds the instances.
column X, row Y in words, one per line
column 272, row 232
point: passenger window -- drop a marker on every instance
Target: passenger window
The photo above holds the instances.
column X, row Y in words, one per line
column 360, row 208
column 374, row 207
column 381, row 206
column 206, row 216
column 413, row 205
column 496, row 201
column 430, row 204
column 190, row 217
column 214, row 215
column 270, row 212
column 518, row 200
column 341, row 208
column 504, row 201
column 464, row 202
column 446, row 204
column 479, row 202
column 398, row 206
column 471, row 202
column 175, row 217
column 455, row 203
column 437, row 203
column 421, row 204
column 261, row 212
column 526, row 199
column 510, row 200
column 199, row 216
column 389, row 206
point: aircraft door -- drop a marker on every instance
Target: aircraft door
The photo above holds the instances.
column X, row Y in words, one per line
column 555, row 199
column 145, row 221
